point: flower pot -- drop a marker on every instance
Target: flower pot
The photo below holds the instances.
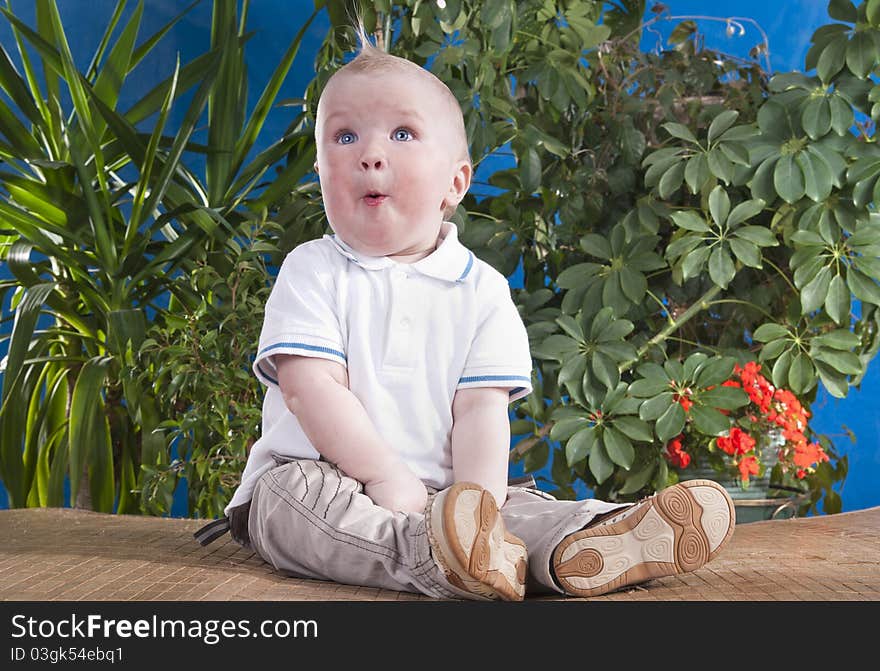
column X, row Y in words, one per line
column 759, row 501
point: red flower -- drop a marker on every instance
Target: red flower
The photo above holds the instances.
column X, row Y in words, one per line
column 738, row 442
column 675, row 454
column 685, row 402
column 748, row 466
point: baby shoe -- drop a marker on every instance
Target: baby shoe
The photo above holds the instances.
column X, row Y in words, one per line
column 674, row 531
column 471, row 545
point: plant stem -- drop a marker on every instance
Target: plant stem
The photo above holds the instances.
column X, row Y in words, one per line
column 526, row 444
column 751, row 305
column 698, row 306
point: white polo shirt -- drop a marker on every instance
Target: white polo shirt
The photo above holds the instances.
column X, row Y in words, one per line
column 410, row 335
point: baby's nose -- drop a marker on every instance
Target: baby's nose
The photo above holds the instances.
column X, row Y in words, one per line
column 372, row 162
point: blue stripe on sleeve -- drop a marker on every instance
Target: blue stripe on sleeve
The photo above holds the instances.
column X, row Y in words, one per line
column 266, row 375
column 299, row 345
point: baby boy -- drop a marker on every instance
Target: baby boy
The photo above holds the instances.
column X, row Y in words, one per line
column 390, row 354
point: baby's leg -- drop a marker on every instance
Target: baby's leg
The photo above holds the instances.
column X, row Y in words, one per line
column 542, row 522
column 675, row 531
column 310, row 520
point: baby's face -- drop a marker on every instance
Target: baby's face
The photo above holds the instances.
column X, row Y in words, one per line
column 386, row 162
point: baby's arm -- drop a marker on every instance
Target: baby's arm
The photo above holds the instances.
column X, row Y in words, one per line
column 335, row 422
column 481, row 438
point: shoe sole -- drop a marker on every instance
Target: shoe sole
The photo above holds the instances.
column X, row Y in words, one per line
column 480, row 556
column 675, row 531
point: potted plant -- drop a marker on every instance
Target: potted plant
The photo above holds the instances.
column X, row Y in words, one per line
column 765, row 455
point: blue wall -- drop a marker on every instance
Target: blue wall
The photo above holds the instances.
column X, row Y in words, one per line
column 788, row 26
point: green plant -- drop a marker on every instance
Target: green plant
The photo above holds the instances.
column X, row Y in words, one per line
column 661, row 205
column 198, row 364
column 100, row 222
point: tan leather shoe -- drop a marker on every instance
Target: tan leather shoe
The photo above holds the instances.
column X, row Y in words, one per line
column 471, row 545
column 675, row 531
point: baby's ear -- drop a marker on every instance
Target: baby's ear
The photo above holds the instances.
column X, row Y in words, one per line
column 461, row 182
column 316, row 166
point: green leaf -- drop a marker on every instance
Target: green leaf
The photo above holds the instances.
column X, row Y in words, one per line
column 536, row 457
column 779, row 372
column 842, row 116
column 773, row 120
column 715, row 371
column 580, row 445
column 721, row 123
column 709, row 421
column 814, row 293
column 817, row 177
column 680, row 131
column 832, row 59
column 653, row 408
column 788, row 180
column 816, row 117
column 833, row 381
column 719, row 205
column 639, row 478
column 670, row 423
column 837, row 339
column 671, row 180
column 725, row 398
column 605, row 370
column 562, row 429
column 837, row 303
column 600, row 465
column 801, row 375
column 757, row 235
column 530, row 170
column 690, row 221
column 861, row 54
column 619, row 448
column 649, row 386
column 843, row 10
column 872, row 12
column 864, row 288
column 762, row 181
column 572, row 327
column 721, row 267
column 696, row 172
column 767, row 332
column 634, row 428
column 558, row 347
column 745, row 211
column 693, row 263
column 843, row 362
column 86, row 419
column 633, row 283
column 720, row 165
column 577, row 275
column 597, row 246
column 747, row 252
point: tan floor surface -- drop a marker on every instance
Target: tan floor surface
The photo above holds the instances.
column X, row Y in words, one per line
column 53, row 554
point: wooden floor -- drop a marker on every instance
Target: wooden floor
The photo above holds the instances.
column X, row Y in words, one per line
column 51, row 554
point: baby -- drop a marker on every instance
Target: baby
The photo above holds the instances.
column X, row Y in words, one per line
column 390, row 354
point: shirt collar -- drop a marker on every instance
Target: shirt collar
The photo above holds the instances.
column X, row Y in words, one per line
column 451, row 261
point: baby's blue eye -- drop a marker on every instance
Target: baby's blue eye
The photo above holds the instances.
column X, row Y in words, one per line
column 345, row 138
column 402, row 134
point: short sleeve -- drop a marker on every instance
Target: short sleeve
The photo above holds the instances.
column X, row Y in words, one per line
column 499, row 354
column 301, row 315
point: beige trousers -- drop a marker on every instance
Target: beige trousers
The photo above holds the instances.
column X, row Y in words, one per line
column 310, row 520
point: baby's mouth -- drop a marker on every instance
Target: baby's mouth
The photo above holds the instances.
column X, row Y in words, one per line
column 375, row 198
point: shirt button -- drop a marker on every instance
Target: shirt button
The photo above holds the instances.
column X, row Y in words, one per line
column 405, row 323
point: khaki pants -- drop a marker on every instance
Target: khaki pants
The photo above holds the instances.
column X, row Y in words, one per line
column 310, row 520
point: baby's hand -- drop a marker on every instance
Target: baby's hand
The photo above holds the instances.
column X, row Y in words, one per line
column 399, row 491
